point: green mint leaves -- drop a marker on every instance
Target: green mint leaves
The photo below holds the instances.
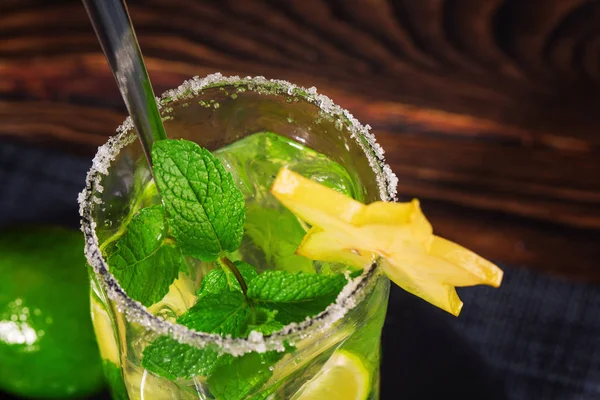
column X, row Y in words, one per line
column 203, row 216
column 204, row 209
column 241, row 378
column 276, row 298
column 143, row 263
column 222, row 280
column 278, row 234
column 204, row 212
column 225, row 313
column 295, row 296
column 173, row 360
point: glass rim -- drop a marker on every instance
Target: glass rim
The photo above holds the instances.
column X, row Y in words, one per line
column 351, row 295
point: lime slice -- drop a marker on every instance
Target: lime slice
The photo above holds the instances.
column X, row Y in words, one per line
column 105, row 336
column 343, row 377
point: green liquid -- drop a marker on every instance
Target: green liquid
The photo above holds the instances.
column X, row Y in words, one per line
column 272, row 234
column 255, row 160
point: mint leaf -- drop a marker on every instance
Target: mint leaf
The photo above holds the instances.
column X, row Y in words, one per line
column 204, row 208
column 295, row 296
column 140, row 260
column 264, row 322
column 224, row 313
column 278, row 234
column 219, row 280
column 173, row 360
column 244, row 376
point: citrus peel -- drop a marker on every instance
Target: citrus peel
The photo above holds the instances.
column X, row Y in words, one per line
column 397, row 234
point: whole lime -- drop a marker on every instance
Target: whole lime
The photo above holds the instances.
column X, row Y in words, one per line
column 47, row 344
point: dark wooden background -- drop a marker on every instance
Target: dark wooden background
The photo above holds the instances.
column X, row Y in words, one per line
column 489, row 109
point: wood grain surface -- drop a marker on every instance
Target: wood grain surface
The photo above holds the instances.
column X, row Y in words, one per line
column 489, row 109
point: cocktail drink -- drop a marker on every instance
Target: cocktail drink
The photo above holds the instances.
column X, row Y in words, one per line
column 177, row 318
column 252, row 260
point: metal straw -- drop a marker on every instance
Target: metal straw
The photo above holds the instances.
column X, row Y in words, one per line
column 113, row 27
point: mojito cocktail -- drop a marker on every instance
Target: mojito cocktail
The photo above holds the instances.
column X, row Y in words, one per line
column 252, row 261
column 287, row 326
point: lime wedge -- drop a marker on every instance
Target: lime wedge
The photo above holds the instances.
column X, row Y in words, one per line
column 105, row 336
column 343, row 377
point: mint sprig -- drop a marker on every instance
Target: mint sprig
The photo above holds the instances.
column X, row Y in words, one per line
column 173, row 360
column 203, row 217
column 204, row 208
column 241, row 378
column 142, row 261
column 203, row 211
column 275, row 298
column 221, row 280
column 225, row 313
column 295, row 296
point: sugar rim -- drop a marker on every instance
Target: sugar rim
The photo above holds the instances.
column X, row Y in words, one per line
column 349, row 297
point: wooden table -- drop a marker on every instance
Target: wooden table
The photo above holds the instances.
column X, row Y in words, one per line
column 489, row 109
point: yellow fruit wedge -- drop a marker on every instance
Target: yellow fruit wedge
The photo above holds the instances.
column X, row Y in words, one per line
column 345, row 230
column 105, row 335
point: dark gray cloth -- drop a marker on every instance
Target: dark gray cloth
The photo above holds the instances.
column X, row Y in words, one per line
column 39, row 185
column 536, row 337
column 540, row 333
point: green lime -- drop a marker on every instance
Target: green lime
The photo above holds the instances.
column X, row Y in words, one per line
column 47, row 345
